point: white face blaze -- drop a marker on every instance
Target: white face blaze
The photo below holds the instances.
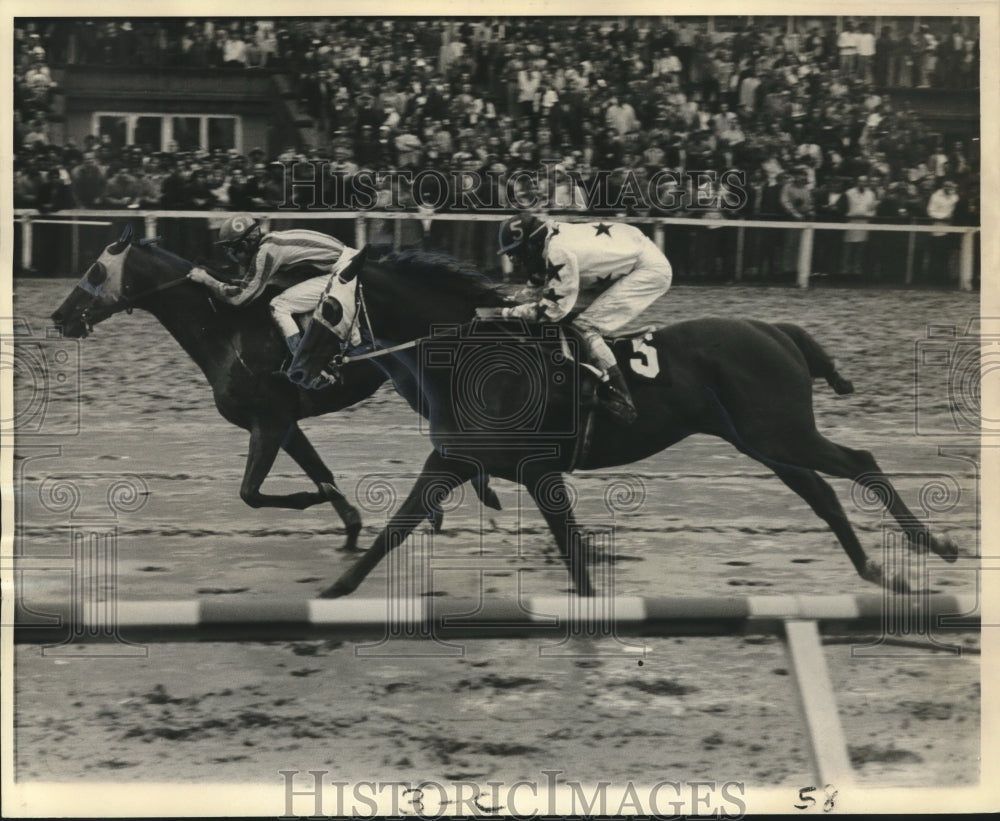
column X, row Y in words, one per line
column 111, row 289
column 346, row 294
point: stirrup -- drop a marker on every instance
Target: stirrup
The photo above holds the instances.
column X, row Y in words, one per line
column 614, row 402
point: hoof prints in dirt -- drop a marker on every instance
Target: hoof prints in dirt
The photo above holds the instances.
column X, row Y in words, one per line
column 662, row 687
column 874, row 754
column 499, row 682
column 445, row 748
column 314, row 648
column 205, row 716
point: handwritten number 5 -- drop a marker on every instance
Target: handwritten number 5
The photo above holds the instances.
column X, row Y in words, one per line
column 808, row 801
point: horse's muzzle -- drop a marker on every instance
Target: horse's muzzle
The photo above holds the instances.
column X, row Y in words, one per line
column 317, row 349
column 72, row 317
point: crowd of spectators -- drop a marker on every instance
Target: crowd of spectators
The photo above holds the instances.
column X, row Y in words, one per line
column 808, row 118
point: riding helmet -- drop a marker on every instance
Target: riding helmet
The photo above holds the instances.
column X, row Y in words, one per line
column 521, row 233
column 236, row 228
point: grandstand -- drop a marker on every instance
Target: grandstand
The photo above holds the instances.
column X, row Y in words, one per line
column 209, row 114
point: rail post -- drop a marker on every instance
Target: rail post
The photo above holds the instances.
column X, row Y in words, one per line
column 805, row 257
column 150, row 226
column 27, row 236
column 911, row 246
column 741, row 238
column 360, row 232
column 966, row 259
column 74, row 247
column 819, row 703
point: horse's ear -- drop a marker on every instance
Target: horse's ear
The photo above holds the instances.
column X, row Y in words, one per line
column 355, row 265
column 126, row 236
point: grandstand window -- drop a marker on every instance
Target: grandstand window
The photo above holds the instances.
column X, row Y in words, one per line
column 115, row 127
column 221, row 133
column 148, row 133
column 187, row 132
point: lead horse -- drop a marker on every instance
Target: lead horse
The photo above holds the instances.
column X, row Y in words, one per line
column 240, row 353
column 510, row 399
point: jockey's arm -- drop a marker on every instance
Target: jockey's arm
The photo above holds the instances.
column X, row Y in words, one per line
column 223, row 290
column 236, row 294
column 559, row 293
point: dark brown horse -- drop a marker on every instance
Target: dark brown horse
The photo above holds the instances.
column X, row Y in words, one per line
column 241, row 354
column 505, row 398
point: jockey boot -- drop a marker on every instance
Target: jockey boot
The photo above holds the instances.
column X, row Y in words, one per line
column 614, row 396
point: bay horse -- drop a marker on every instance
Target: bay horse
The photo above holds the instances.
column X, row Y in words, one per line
column 241, row 354
column 504, row 397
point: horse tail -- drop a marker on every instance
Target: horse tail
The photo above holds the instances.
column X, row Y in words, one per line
column 820, row 363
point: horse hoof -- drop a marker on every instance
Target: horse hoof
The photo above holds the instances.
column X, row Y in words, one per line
column 351, row 542
column 898, row 585
column 436, row 518
column 946, row 549
column 336, row 590
column 490, row 499
column 842, row 386
column 352, row 527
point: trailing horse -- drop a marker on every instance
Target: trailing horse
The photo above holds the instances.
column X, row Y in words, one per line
column 511, row 399
column 239, row 351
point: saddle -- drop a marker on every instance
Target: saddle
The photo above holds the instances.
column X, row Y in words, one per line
column 636, row 356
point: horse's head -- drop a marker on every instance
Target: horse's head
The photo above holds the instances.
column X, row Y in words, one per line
column 333, row 326
column 110, row 285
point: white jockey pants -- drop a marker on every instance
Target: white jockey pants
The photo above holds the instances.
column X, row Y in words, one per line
column 304, row 297
column 624, row 301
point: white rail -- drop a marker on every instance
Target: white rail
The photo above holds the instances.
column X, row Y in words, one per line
column 26, row 218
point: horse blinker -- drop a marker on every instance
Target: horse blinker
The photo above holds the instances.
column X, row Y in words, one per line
column 332, row 311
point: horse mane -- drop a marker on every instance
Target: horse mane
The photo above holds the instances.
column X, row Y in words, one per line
column 179, row 264
column 442, row 272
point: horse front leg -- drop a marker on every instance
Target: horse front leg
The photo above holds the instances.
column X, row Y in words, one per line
column 438, row 478
column 550, row 493
column 298, row 446
column 265, row 440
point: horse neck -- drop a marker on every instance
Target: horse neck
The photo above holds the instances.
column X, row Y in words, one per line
column 402, row 308
column 191, row 318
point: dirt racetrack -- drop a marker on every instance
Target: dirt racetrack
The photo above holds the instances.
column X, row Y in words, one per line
column 704, row 520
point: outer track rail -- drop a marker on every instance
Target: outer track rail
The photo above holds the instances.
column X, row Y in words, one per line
column 245, row 619
column 798, row 620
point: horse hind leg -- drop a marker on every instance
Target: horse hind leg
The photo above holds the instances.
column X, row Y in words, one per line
column 860, row 466
column 819, row 453
column 823, row 500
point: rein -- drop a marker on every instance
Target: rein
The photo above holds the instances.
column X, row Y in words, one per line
column 127, row 302
column 343, row 359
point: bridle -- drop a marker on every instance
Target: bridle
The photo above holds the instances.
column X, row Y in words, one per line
column 127, row 300
column 343, row 358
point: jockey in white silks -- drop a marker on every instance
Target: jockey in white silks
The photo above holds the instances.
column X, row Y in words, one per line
column 262, row 256
column 564, row 258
